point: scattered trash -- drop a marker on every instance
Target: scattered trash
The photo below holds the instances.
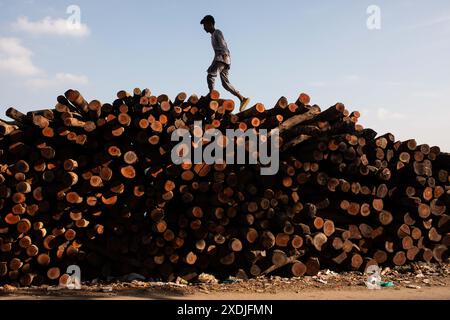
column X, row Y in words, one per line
column 385, row 270
column 231, row 280
column 203, row 288
column 395, row 279
column 420, row 275
column 167, row 284
column 328, row 272
column 386, row 284
column 374, row 277
column 207, row 278
column 137, row 283
column 54, row 288
column 181, row 281
column 411, row 286
column 9, row 288
column 320, row 280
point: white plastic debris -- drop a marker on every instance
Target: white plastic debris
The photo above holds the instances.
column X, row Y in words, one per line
column 420, row 275
column 373, row 277
column 319, row 279
column 411, row 286
column 328, row 272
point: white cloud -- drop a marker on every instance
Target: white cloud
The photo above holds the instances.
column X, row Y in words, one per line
column 60, row 79
column 50, row 26
column 384, row 114
column 16, row 59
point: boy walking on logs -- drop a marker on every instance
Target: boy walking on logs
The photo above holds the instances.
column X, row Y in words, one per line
column 222, row 61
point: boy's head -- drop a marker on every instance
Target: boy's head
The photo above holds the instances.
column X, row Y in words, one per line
column 208, row 23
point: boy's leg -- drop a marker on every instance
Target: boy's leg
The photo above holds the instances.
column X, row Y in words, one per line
column 223, row 69
column 212, row 74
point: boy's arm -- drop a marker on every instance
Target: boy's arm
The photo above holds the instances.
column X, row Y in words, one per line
column 221, row 43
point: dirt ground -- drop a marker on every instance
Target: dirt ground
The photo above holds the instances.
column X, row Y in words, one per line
column 417, row 281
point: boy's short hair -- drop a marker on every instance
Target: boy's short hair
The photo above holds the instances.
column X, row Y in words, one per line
column 208, row 18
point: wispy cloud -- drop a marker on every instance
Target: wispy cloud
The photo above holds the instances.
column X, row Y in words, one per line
column 51, row 26
column 15, row 59
column 60, row 79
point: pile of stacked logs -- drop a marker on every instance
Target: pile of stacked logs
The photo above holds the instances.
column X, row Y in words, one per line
column 93, row 184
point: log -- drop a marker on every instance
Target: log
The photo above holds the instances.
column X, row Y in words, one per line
column 94, row 184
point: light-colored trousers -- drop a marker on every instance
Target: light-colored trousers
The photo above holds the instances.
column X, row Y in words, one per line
column 223, row 69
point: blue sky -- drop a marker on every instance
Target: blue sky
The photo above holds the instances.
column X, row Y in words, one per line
column 397, row 76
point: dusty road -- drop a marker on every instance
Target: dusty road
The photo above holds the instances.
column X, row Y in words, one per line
column 359, row 293
column 415, row 282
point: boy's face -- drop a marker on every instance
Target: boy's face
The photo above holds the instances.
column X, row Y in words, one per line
column 208, row 26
